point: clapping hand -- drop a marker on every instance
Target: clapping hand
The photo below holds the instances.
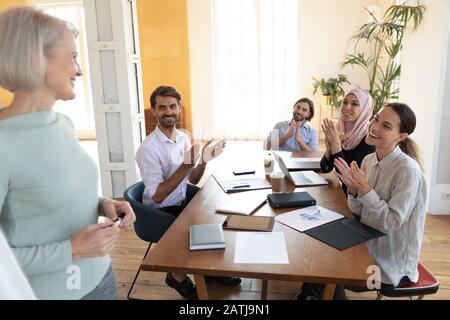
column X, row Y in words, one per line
column 344, row 175
column 328, row 148
column 359, row 179
column 292, row 128
column 298, row 136
column 353, row 177
column 191, row 157
column 332, row 136
column 211, row 151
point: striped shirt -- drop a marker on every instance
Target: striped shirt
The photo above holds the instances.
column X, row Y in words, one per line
column 395, row 206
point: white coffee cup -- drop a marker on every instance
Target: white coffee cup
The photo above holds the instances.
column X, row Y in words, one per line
column 276, row 180
column 268, row 165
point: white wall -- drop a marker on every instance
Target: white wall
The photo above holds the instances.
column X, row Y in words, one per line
column 326, row 26
column 200, row 24
column 440, row 184
column 422, row 84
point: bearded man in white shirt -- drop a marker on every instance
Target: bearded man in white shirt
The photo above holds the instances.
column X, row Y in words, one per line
column 167, row 161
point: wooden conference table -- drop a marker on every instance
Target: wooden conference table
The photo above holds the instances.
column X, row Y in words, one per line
column 309, row 259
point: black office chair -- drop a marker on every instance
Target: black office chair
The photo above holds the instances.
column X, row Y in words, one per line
column 151, row 223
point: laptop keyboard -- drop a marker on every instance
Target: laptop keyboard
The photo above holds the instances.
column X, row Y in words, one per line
column 300, row 178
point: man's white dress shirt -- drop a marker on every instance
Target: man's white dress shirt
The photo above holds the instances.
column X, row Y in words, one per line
column 158, row 157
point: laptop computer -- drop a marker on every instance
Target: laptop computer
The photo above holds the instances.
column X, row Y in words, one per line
column 302, row 163
column 300, row 178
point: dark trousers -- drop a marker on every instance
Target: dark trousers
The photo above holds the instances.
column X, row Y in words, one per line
column 175, row 211
column 316, row 289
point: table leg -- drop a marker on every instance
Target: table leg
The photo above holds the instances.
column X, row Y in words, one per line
column 201, row 287
column 264, row 289
column 328, row 291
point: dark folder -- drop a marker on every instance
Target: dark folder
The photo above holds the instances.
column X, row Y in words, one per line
column 290, row 199
column 344, row 233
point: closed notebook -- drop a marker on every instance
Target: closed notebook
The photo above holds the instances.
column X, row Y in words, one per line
column 243, row 203
column 206, row 236
column 290, row 199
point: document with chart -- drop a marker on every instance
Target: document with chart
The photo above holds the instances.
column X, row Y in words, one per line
column 308, row 218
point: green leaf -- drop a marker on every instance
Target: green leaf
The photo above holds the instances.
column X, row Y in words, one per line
column 385, row 40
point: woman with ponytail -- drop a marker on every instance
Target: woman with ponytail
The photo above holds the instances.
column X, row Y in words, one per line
column 389, row 194
column 347, row 139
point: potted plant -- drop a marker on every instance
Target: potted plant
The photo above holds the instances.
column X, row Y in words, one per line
column 385, row 40
column 331, row 88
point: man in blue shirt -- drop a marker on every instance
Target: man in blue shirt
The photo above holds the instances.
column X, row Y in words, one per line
column 296, row 134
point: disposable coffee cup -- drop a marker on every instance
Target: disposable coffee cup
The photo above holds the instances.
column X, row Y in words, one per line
column 268, row 165
column 276, row 180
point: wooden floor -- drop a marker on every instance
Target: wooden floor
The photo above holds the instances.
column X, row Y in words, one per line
column 435, row 255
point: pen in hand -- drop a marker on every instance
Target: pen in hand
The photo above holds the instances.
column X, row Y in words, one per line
column 119, row 218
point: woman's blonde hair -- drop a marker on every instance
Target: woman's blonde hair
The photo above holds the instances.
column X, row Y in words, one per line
column 27, row 37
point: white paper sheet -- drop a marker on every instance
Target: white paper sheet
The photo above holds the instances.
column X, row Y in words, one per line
column 261, row 247
column 307, row 218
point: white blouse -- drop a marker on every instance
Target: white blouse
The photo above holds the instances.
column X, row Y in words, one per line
column 395, row 206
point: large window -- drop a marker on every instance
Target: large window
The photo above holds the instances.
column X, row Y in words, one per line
column 80, row 110
column 256, row 63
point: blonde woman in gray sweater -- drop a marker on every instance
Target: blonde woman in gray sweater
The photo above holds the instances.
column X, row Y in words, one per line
column 49, row 201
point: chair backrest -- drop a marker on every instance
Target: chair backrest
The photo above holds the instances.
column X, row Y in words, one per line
column 151, row 223
column 134, row 193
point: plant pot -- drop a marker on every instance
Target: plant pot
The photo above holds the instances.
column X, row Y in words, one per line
column 326, row 100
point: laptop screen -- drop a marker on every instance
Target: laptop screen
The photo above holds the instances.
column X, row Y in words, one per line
column 282, row 165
